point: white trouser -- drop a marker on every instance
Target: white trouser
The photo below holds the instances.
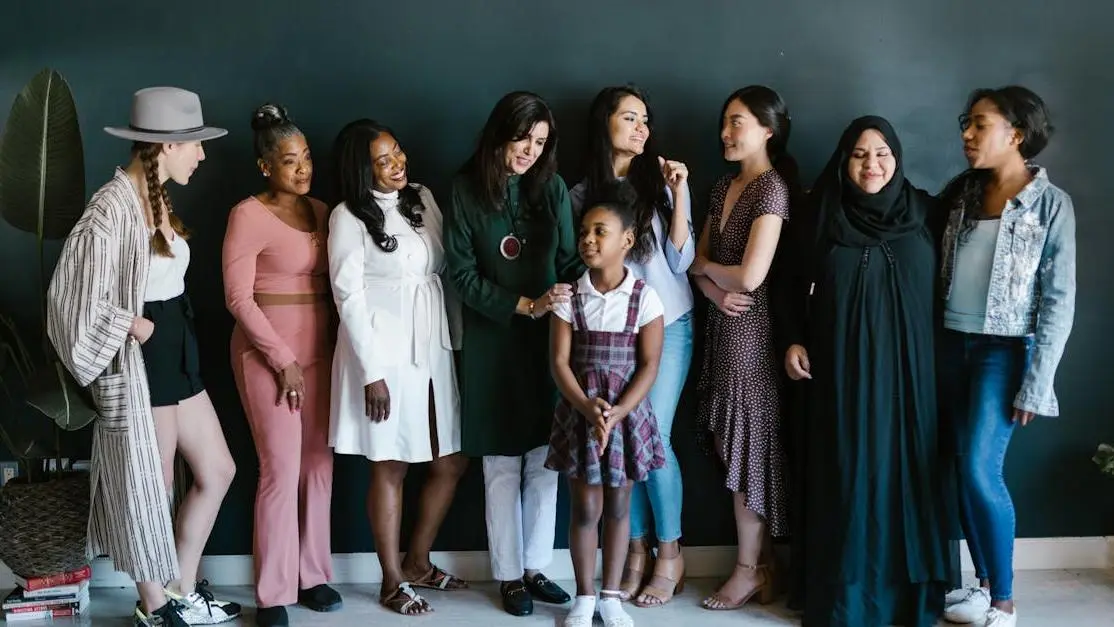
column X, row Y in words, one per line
column 521, row 504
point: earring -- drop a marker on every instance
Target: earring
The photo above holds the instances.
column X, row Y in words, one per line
column 266, row 174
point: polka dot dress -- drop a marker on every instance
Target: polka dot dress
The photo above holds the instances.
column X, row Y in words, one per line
column 740, row 407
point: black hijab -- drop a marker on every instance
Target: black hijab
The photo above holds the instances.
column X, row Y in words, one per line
column 851, row 217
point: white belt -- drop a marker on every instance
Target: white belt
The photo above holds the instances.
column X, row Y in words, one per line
column 428, row 290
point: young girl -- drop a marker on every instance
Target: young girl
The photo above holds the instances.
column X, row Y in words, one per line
column 621, row 146
column 605, row 345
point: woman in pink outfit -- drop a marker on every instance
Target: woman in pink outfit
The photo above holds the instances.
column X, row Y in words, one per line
column 276, row 283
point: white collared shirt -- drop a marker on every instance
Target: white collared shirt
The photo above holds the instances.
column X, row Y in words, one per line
column 608, row 312
column 667, row 268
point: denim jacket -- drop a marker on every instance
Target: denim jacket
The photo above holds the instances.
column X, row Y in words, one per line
column 1032, row 280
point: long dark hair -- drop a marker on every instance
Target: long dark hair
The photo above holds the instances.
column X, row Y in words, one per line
column 771, row 111
column 1026, row 112
column 645, row 175
column 355, row 179
column 511, row 120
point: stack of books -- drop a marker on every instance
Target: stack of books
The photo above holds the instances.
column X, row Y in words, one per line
column 48, row 597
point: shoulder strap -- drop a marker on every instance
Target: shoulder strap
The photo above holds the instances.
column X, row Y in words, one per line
column 578, row 311
column 633, row 306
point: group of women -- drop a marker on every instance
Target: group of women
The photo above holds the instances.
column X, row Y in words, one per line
column 836, row 320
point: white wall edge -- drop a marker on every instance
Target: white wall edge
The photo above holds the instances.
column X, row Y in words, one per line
column 700, row 561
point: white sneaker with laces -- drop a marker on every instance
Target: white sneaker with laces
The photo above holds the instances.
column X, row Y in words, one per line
column 997, row 618
column 201, row 608
column 958, row 595
column 969, row 608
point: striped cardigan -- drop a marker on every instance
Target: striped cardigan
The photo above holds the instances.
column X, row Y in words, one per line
column 95, row 293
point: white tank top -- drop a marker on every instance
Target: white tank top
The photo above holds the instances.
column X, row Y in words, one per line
column 167, row 276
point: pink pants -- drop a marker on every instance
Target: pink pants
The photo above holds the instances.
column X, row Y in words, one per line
column 291, row 536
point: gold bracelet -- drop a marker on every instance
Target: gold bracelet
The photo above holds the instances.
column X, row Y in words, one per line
column 531, row 311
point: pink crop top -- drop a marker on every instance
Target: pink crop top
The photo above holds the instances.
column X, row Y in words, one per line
column 263, row 254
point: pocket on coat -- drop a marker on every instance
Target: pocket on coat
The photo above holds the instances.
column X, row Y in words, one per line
column 110, row 395
column 390, row 339
column 1027, row 244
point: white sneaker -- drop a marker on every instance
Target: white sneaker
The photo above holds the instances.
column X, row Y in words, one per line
column 958, row 595
column 168, row 615
column 997, row 618
column 970, row 607
column 201, row 608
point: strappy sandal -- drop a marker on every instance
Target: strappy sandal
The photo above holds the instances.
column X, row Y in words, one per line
column 670, row 569
column 764, row 591
column 437, row 579
column 634, row 575
column 403, row 599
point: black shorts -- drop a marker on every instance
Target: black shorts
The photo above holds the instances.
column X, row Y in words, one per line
column 170, row 354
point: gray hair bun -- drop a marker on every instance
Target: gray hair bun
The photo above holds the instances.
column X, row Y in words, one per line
column 269, row 116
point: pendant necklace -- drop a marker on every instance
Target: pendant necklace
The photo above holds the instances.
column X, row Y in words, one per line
column 511, row 245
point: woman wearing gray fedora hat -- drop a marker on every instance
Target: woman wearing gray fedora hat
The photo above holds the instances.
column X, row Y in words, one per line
column 120, row 322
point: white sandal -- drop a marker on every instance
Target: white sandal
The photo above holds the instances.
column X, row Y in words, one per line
column 412, row 599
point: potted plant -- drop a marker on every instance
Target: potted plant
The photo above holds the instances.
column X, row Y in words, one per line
column 44, row 511
column 1104, row 458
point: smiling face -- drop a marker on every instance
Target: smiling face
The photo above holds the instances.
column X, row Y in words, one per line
column 289, row 166
column 388, row 163
column 989, row 140
column 521, row 154
column 604, row 241
column 629, row 127
column 872, row 162
column 179, row 161
column 741, row 133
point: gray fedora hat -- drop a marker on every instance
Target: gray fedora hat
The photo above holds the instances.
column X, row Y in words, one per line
column 162, row 115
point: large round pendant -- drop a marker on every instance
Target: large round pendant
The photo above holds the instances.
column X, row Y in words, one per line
column 510, row 247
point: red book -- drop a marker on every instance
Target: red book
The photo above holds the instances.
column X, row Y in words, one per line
column 58, row 612
column 50, row 581
column 67, row 609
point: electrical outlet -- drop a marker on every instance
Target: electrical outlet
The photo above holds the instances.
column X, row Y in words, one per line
column 8, row 471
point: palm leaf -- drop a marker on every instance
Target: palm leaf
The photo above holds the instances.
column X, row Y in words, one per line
column 42, row 163
column 54, row 394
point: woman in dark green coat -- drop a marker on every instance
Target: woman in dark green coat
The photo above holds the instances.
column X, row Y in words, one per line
column 511, row 254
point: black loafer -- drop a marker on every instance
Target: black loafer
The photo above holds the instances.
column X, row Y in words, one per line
column 516, row 599
column 546, row 590
column 320, row 598
column 271, row 617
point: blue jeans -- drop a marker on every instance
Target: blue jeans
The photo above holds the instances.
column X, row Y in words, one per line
column 661, row 492
column 979, row 377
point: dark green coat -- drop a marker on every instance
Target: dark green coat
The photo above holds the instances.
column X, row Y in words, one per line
column 507, row 394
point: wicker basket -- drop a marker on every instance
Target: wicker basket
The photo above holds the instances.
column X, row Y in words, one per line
column 44, row 525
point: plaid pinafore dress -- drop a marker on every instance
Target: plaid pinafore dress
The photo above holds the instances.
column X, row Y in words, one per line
column 604, row 363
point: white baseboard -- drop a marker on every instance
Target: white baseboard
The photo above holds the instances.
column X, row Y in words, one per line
column 700, row 562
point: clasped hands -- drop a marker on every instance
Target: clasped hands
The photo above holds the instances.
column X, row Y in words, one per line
column 602, row 418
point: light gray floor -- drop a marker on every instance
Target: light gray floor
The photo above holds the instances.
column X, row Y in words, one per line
column 1045, row 598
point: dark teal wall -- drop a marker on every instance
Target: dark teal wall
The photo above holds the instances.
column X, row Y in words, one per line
column 433, row 69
